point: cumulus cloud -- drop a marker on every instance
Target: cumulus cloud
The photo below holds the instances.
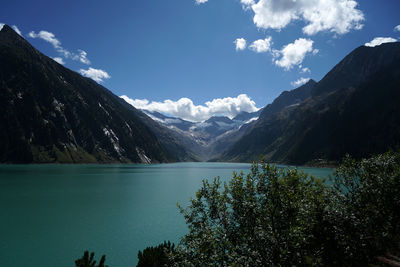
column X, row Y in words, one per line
column 299, row 82
column 82, row 57
column 51, row 38
column 47, row 36
column 97, row 75
column 261, row 45
column 293, row 53
column 380, row 40
column 240, row 44
column 59, row 60
column 201, row 1
column 304, row 69
column 185, row 108
column 247, row 3
column 397, row 28
column 338, row 16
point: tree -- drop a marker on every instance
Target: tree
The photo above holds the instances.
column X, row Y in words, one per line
column 275, row 216
column 271, row 216
column 88, row 261
column 368, row 194
column 156, row 256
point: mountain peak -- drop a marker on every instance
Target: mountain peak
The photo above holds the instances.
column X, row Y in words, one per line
column 12, row 39
column 6, row 28
column 310, row 81
column 9, row 31
column 219, row 119
column 288, row 98
column 357, row 66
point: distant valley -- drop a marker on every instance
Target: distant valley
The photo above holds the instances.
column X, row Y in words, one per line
column 206, row 135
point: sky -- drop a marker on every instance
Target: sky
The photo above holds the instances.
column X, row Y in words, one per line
column 198, row 58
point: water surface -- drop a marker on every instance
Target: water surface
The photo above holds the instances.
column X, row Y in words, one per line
column 50, row 214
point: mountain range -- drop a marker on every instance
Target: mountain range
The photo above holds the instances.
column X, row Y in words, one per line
column 353, row 110
column 205, row 136
column 49, row 114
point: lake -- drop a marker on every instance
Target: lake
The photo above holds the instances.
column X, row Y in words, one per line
column 50, row 214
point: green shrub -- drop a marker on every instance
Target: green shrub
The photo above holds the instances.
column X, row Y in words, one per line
column 88, row 261
column 284, row 217
column 368, row 213
column 156, row 256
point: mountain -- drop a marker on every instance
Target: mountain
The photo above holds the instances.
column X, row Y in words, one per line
column 286, row 99
column 246, row 116
column 289, row 98
column 202, row 140
column 235, row 143
column 353, row 109
column 356, row 67
column 49, row 113
column 170, row 121
column 178, row 142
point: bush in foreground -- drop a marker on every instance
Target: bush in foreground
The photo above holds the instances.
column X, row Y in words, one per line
column 278, row 216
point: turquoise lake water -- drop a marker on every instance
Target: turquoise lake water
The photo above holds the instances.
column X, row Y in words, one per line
column 50, row 214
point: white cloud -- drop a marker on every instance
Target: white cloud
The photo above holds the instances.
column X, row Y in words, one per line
column 397, row 28
column 380, row 40
column 59, row 60
column 51, row 38
column 293, row 53
column 95, row 74
column 247, row 3
column 185, row 109
column 201, row 1
column 338, row 16
column 15, row 28
column 82, row 57
column 299, row 82
column 261, row 45
column 304, row 69
column 1, row 26
column 47, row 36
column 240, row 44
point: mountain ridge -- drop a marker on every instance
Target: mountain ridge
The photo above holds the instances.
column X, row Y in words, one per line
column 294, row 135
column 52, row 114
column 206, row 139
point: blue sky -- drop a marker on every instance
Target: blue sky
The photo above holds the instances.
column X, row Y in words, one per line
column 158, row 50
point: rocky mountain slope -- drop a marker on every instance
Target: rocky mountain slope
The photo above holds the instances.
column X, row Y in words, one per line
column 354, row 109
column 49, row 113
